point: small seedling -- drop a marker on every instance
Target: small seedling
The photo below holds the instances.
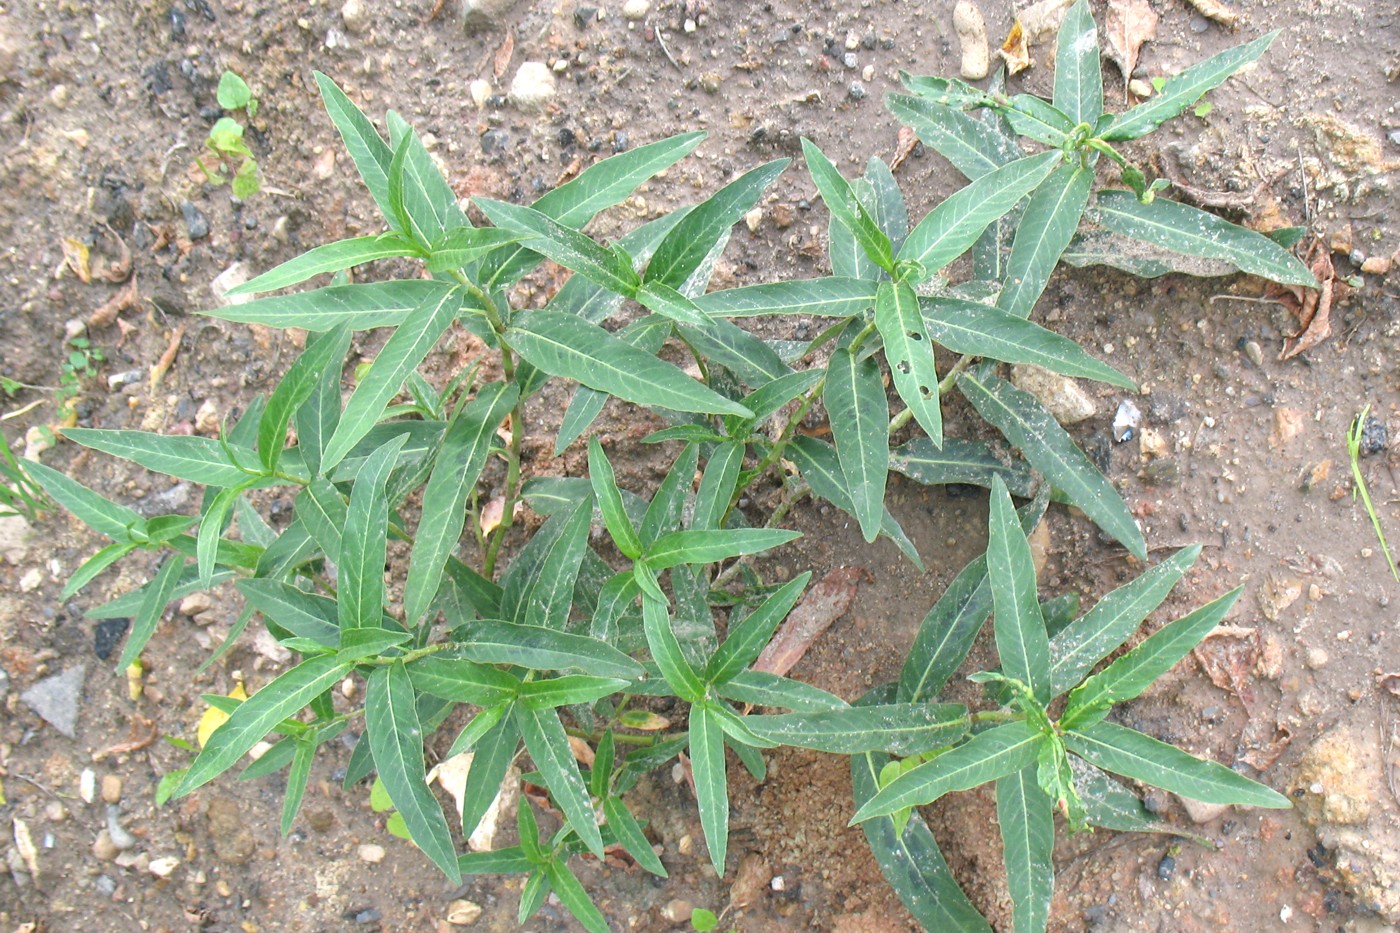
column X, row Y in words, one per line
column 80, row 365
column 19, row 493
column 1354, row 436
column 225, row 141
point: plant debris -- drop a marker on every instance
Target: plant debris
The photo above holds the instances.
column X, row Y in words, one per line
column 1130, row 24
column 824, row 604
column 1312, row 306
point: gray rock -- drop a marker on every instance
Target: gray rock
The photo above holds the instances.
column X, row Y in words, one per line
column 480, row 14
column 56, row 699
column 196, row 224
column 533, row 86
column 14, row 538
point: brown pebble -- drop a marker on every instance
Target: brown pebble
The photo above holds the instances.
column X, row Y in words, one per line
column 320, row 821
column 111, row 788
column 103, row 848
column 1376, row 265
column 677, row 910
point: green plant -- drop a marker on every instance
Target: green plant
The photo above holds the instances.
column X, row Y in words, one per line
column 1354, row 436
column 225, row 141
column 80, row 365
column 19, row 493
column 562, row 635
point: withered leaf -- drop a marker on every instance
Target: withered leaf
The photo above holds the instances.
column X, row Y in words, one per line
column 1129, row 24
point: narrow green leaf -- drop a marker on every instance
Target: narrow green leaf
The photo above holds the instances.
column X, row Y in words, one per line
column 629, row 832
column 1194, row 232
column 667, row 302
column 910, row 354
column 664, row 512
column 329, row 257
column 1184, row 89
column 845, row 252
column 600, row 474
column 897, row 728
column 818, row 463
column 511, row 860
column 462, row 681
column 973, row 147
column 539, row 586
column 845, row 207
column 752, row 360
column 95, row 564
column 569, row 690
column 717, row 485
column 828, row 297
column 492, row 757
column 1098, row 633
column 772, row 396
column 1022, row 645
column 615, row 599
column 316, row 417
column 959, row 461
column 647, row 334
column 1034, row 118
column 370, row 153
column 211, row 527
column 99, row 513
column 405, row 349
column 297, row 779
column 256, row 716
column 356, row 644
column 360, row 595
column 1110, row 805
column 1044, row 231
column 563, row 345
column 911, row 861
column 1134, row 672
column 574, row 898
column 321, row 356
column 461, row 246
column 888, row 208
column 1026, row 423
column 395, row 737
column 459, row 464
column 987, row 756
column 202, row 460
column 949, row 229
column 359, row 307
column 158, row 595
column 1140, row 757
column 711, row 781
column 1027, row 823
column 666, row 651
column 760, row 688
column 564, row 245
column 1078, row 72
column 302, row 614
column 321, row 510
column 539, row 648
column 686, row 246
column 748, row 638
column 712, row 546
column 859, row 415
column 548, row 746
column 428, row 200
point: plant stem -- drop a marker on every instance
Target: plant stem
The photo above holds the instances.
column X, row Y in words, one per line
column 778, row 515
column 998, row 715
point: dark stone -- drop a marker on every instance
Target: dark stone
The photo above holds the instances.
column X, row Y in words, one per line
column 196, row 224
column 177, row 24
column 1166, row 868
column 620, row 142
column 584, row 15
column 494, row 141
column 106, row 635
column 568, row 139
column 1374, row 437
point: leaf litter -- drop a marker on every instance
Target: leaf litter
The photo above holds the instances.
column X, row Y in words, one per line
column 824, row 603
column 1129, row 24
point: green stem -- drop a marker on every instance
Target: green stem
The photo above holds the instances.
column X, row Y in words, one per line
column 774, row 520
column 998, row 715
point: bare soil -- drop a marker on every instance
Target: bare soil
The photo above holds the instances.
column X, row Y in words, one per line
column 102, row 111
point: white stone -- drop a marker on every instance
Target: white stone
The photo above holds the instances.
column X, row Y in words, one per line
column 369, row 852
column 972, row 38
column 164, row 867
column 480, row 90
column 533, row 86
column 14, row 538
column 226, row 281
column 636, row 9
column 355, row 16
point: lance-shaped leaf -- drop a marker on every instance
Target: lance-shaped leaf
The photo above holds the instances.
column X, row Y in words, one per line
column 202, row 460
column 459, row 464
column 710, row 546
column 1078, row 72
column 571, row 893
column 1110, row 805
column 1098, row 633
column 1027, row 823
column 462, row 681
column 834, row 296
column 566, row 246
column 359, row 307
column 143, row 625
column 1026, row 423
column 1194, row 232
column 1184, row 89
column 911, row 861
column 1045, row 229
column 978, row 330
column 717, row 485
column 321, row 356
column 747, row 639
column 462, row 246
column 405, row 349
column 666, row 651
column 819, row 466
column 667, row 302
column 629, row 833
column 1022, row 645
column 910, row 354
column 539, row 586
column 370, row 153
column 760, row 688
column 949, row 229
column 256, row 716
column 768, row 399
column 686, row 246
column 647, row 334
column 297, row 778
column 539, row 648
column 711, row 781
column 94, row 565
column 563, row 345
column 1034, row 118
column 569, row 690
column 859, row 415
column 429, row 203
column 548, row 746
column 846, row 253
column 896, row 728
column 396, row 741
column 987, row 756
column 600, row 473
column 597, row 187
column 99, row 513
column 959, row 461
column 321, row 510
column 845, row 207
column 752, row 360
column 1140, row 757
column 316, row 417
column 887, row 204
column 363, row 546
column 329, row 257
column 211, row 527
column 493, row 753
column 972, row 146
column 1135, row 671
column 664, row 512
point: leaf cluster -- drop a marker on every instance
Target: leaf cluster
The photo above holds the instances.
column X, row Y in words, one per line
column 233, row 160
column 560, row 647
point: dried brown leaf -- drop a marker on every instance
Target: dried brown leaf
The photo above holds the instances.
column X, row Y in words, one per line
column 1228, row 655
column 1015, row 51
column 501, row 62
column 824, row 604
column 908, row 139
column 124, row 300
column 1214, row 9
column 75, row 257
column 1129, row 24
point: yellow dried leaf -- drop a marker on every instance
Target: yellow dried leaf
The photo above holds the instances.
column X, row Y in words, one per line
column 76, row 256
column 1015, row 51
column 213, row 717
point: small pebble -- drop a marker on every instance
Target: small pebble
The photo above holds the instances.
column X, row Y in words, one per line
column 164, row 867
column 1317, row 659
column 753, row 218
column 1166, row 867
column 1254, row 352
column 1140, row 88
column 87, row 785
column 677, row 910
column 103, row 848
column 533, row 86
column 196, row 224
column 369, row 852
column 868, row 73
column 463, row 913
column 636, row 9
column 355, row 16
column 111, row 788
column 972, row 39
column 850, row 60
column 366, row 917
column 856, row 91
